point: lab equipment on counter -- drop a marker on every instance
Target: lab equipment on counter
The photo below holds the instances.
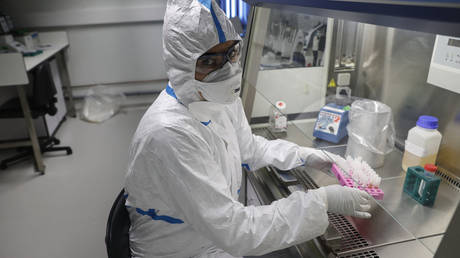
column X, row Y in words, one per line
column 277, row 120
column 285, row 177
column 371, row 131
column 356, row 173
column 422, row 184
column 30, row 40
column 7, row 42
column 22, row 42
column 422, row 143
column 331, row 123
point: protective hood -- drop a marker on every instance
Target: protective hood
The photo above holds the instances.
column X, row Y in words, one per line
column 191, row 27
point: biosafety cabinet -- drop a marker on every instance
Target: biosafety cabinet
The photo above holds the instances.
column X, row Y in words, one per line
column 405, row 54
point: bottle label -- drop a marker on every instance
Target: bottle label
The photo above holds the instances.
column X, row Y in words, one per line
column 328, row 122
column 421, row 188
column 416, row 150
column 280, row 122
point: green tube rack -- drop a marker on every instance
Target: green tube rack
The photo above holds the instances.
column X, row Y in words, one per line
column 414, row 178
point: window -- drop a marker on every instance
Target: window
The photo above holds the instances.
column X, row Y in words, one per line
column 236, row 8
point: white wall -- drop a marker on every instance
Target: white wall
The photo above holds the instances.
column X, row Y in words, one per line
column 115, row 53
column 111, row 41
column 58, row 13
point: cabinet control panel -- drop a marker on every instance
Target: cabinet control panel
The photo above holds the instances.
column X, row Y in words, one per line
column 445, row 63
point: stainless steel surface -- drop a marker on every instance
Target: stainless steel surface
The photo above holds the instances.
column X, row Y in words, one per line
column 332, row 237
column 393, row 69
column 410, row 249
column 291, row 252
column 380, row 236
column 406, row 211
column 360, row 254
column 306, row 127
column 432, row 242
column 420, row 220
column 406, row 217
column 350, row 239
column 39, row 166
column 320, row 178
column 381, row 228
column 449, row 178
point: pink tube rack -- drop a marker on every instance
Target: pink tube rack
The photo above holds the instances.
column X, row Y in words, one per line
column 344, row 180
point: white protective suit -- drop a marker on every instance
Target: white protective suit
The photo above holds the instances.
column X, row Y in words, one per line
column 186, row 159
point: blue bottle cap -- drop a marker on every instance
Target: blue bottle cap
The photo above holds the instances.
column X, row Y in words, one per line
column 428, row 122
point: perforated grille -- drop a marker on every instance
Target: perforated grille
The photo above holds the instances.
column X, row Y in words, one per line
column 452, row 180
column 365, row 254
column 351, row 239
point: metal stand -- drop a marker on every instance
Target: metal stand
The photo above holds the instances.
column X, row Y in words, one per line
column 64, row 74
column 39, row 166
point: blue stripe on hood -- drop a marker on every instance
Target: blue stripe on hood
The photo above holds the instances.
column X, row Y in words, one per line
column 206, row 3
column 220, row 32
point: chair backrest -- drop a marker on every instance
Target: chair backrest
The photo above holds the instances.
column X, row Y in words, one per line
column 41, row 98
column 44, row 89
column 117, row 232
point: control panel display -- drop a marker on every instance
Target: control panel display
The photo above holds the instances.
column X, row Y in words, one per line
column 453, row 42
column 445, row 63
column 447, row 51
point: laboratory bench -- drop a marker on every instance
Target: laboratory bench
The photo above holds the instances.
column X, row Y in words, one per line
column 14, row 69
column 399, row 227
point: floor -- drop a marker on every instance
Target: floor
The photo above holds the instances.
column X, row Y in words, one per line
column 63, row 213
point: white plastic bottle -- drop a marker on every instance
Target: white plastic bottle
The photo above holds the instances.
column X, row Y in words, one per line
column 422, row 143
column 277, row 120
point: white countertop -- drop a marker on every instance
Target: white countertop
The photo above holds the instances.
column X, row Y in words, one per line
column 52, row 43
column 14, row 67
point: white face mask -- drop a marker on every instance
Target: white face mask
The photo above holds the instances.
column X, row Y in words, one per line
column 222, row 86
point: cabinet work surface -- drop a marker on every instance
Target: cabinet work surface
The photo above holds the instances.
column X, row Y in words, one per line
column 399, row 224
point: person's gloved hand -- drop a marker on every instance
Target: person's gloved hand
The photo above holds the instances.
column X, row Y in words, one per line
column 348, row 201
column 317, row 159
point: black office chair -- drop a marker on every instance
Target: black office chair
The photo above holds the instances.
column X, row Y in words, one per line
column 117, row 232
column 42, row 101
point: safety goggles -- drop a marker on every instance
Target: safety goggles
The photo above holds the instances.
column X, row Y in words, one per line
column 208, row 63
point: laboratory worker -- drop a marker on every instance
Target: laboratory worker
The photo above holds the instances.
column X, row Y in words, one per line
column 186, row 157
